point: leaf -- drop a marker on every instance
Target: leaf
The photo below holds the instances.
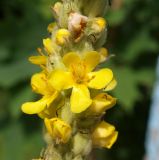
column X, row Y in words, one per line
column 4, row 52
column 126, row 90
column 16, row 72
column 116, row 17
column 18, row 99
column 146, row 77
column 14, row 144
column 142, row 42
column 4, row 100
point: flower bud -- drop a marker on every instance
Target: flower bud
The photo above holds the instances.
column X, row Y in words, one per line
column 58, row 129
column 82, row 144
column 56, row 9
column 104, row 135
column 50, row 27
column 76, row 24
column 103, row 54
column 62, row 37
column 94, row 8
column 48, row 45
column 101, row 103
column 98, row 24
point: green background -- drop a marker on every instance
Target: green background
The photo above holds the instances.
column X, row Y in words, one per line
column 132, row 36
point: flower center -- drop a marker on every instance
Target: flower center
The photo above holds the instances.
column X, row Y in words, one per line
column 79, row 73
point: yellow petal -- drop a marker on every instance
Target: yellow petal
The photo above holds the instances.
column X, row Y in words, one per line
column 91, row 60
column 38, row 60
column 48, row 125
column 48, row 44
column 111, row 85
column 50, row 111
column 101, row 103
column 38, row 106
column 80, row 99
column 100, row 79
column 106, row 142
column 34, row 107
column 103, row 130
column 60, row 80
column 58, row 129
column 71, row 58
column 111, row 140
column 39, row 83
column 50, row 98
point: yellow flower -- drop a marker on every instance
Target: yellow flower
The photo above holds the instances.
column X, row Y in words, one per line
column 79, row 76
column 41, row 86
column 101, row 103
column 58, row 129
column 104, row 135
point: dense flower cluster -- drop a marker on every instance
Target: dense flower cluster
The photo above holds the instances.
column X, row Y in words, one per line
column 73, row 86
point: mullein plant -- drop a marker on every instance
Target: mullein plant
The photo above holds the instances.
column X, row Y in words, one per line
column 72, row 84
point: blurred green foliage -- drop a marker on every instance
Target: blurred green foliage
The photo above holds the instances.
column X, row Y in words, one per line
column 132, row 37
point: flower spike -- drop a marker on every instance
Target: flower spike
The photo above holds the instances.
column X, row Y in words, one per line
column 73, row 84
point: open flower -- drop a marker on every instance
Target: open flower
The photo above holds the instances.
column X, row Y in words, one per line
column 104, row 135
column 79, row 76
column 41, row 86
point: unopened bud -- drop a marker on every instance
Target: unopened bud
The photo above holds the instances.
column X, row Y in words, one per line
column 82, row 144
column 58, row 129
column 103, row 54
column 76, row 24
column 104, row 135
column 50, row 27
column 62, row 37
column 101, row 103
column 94, row 8
column 57, row 8
column 99, row 24
column 48, row 45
